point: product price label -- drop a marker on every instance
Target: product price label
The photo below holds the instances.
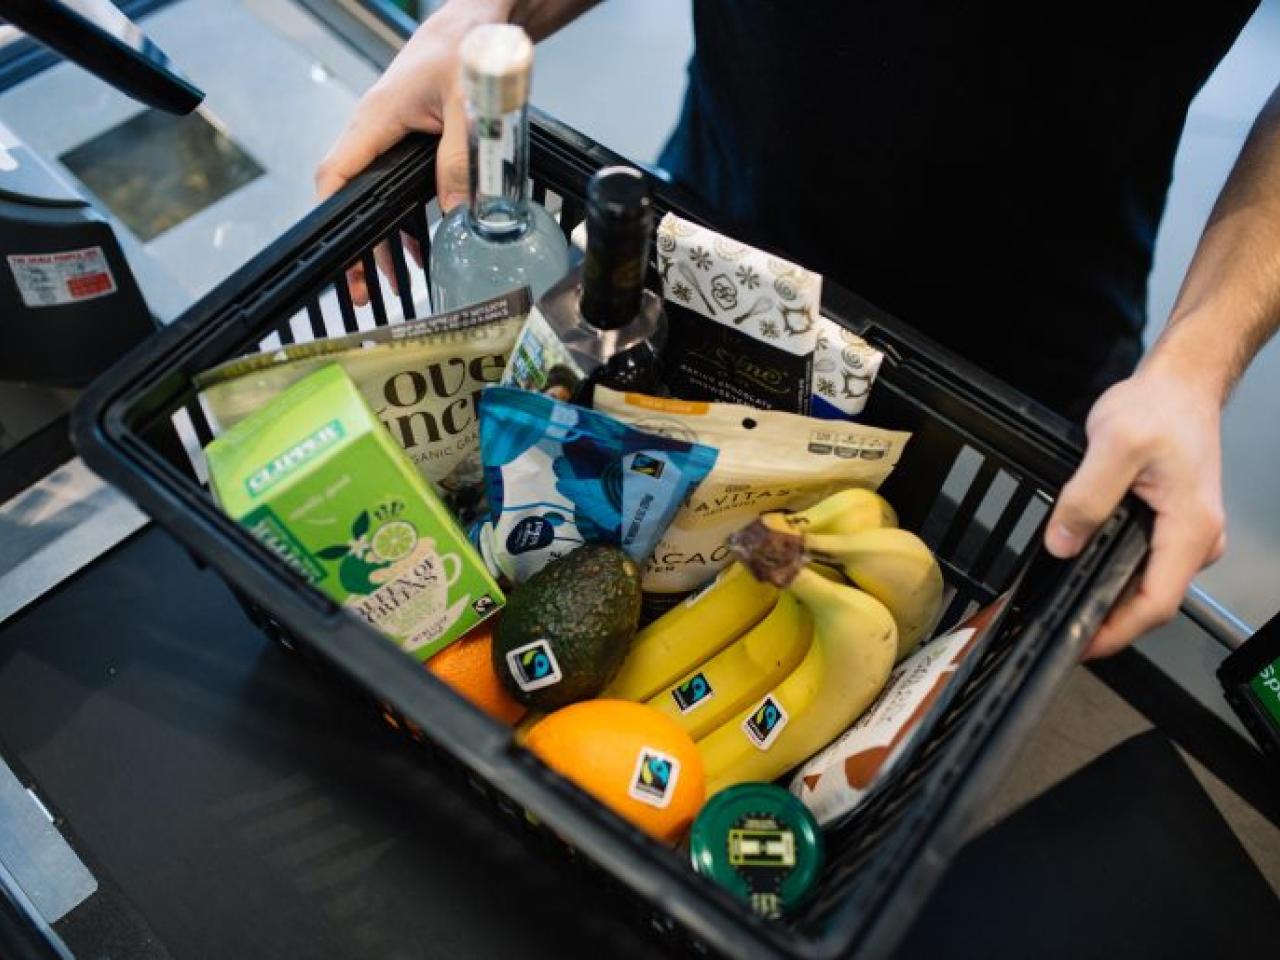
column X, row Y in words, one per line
column 69, row 276
column 495, row 146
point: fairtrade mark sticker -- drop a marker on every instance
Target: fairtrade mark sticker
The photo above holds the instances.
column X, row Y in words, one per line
column 534, row 666
column 692, row 693
column 765, row 722
column 654, row 779
column 648, row 466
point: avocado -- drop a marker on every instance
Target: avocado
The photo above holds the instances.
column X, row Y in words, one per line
column 566, row 631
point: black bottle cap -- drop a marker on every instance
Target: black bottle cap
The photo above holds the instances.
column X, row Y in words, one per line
column 619, row 224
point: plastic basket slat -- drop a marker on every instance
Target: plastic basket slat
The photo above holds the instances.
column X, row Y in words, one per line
column 345, row 306
column 373, row 284
column 401, row 269
column 963, row 517
column 571, row 214
column 199, row 423
column 316, row 318
column 418, row 229
column 998, row 539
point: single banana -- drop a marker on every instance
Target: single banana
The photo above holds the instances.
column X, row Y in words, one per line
column 834, row 574
column 692, row 633
column 741, row 673
column 854, row 644
column 846, row 511
column 894, row 566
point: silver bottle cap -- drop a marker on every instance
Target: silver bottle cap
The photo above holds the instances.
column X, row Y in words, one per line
column 497, row 60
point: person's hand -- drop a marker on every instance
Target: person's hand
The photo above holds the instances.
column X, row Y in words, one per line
column 1159, row 435
column 420, row 91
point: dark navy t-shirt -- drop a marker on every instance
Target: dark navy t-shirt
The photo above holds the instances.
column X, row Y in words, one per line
column 993, row 174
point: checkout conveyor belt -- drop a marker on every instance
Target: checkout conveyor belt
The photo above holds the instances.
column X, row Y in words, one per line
column 212, row 783
column 229, row 803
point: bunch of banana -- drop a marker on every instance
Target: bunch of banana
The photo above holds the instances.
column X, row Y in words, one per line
column 762, row 675
column 894, row 566
column 722, row 649
column 741, row 673
column 856, row 531
column 855, row 643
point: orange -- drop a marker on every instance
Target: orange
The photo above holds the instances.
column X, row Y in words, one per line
column 467, row 666
column 631, row 758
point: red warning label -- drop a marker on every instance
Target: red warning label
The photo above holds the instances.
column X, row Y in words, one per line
column 69, row 276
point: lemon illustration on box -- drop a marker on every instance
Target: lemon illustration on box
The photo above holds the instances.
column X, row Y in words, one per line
column 316, row 478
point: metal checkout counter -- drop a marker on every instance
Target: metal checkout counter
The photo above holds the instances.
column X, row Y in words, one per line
column 173, row 785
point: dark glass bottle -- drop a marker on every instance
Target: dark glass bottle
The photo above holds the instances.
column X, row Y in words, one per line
column 600, row 324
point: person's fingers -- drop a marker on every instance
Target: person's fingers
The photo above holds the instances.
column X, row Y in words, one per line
column 386, row 266
column 410, row 243
column 451, row 156
column 1181, row 545
column 1219, row 549
column 372, row 131
column 1108, row 470
column 356, row 285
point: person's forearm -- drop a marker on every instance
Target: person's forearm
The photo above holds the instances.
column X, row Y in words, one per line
column 540, row 18
column 1229, row 304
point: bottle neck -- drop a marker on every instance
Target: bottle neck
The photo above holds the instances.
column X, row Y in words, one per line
column 498, row 161
column 613, row 272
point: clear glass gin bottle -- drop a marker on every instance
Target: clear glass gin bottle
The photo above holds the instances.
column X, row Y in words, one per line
column 501, row 239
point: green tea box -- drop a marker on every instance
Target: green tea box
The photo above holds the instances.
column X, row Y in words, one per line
column 315, row 477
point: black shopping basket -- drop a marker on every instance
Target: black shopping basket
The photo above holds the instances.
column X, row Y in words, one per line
column 976, row 481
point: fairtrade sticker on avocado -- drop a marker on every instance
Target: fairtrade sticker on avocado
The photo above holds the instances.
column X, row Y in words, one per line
column 315, row 478
column 534, row 666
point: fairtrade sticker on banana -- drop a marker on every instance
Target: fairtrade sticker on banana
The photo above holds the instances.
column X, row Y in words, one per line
column 768, row 461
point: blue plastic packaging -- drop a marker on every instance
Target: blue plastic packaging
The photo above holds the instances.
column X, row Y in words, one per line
column 558, row 476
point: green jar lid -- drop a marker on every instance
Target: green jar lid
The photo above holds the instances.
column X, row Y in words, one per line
column 761, row 844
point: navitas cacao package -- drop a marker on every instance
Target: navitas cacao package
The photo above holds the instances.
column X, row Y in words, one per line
column 836, row 781
column 746, row 327
column 768, row 460
column 422, row 379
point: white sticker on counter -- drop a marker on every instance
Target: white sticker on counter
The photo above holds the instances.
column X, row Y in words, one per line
column 68, row 276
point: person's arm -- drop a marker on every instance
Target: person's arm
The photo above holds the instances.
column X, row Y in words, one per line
column 1159, row 432
column 421, row 91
